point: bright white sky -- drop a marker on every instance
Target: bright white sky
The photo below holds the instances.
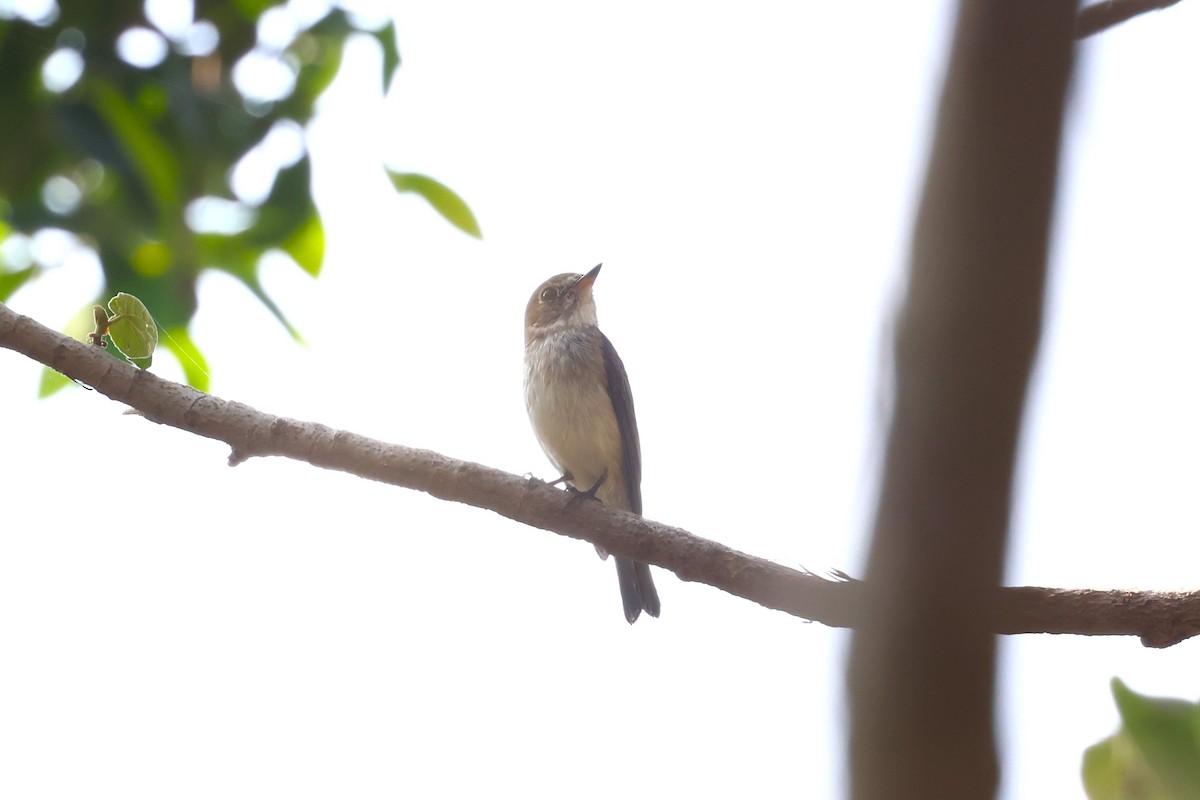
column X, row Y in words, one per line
column 176, row 628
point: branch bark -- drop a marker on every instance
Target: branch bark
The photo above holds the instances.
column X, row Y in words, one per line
column 1159, row 618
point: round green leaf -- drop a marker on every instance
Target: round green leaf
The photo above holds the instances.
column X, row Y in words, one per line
column 132, row 330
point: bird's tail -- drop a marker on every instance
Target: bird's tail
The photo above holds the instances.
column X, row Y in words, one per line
column 637, row 589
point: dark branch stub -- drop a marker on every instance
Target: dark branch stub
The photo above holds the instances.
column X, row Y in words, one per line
column 1108, row 14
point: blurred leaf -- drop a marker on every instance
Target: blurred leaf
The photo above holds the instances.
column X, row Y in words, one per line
column 1164, row 730
column 11, row 281
column 132, row 330
column 156, row 165
column 307, row 246
column 1114, row 770
column 52, row 382
column 253, row 9
column 1101, row 772
column 195, row 365
column 256, row 287
column 150, row 259
column 1155, row 756
column 444, row 201
column 83, row 130
column 391, row 54
column 319, row 51
column 144, row 145
column 77, row 327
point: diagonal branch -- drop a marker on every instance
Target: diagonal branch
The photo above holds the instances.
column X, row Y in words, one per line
column 1159, row 618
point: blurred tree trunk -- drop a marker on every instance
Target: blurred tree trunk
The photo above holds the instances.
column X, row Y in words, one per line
column 923, row 662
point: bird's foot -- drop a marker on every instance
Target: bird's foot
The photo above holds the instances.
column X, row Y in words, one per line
column 586, row 494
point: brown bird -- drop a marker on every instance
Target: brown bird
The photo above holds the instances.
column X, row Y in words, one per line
column 581, row 408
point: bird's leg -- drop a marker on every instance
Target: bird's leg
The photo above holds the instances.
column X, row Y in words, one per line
column 590, row 494
column 595, row 486
column 587, row 494
column 565, row 480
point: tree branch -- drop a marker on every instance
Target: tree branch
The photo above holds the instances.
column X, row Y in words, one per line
column 1159, row 618
column 1110, row 13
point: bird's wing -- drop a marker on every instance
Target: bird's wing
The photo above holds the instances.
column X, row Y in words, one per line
column 622, row 401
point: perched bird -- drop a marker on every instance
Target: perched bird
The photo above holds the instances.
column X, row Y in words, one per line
column 578, row 398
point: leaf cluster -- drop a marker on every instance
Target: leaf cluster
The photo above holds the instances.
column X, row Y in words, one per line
column 169, row 145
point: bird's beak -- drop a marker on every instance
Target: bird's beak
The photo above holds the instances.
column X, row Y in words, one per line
column 587, row 280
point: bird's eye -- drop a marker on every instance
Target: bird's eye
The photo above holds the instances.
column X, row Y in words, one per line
column 549, row 294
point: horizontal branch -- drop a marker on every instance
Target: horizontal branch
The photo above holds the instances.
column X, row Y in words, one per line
column 1159, row 618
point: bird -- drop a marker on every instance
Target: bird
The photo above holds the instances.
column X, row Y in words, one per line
column 581, row 409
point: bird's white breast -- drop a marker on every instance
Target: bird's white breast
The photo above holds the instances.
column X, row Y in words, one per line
column 566, row 395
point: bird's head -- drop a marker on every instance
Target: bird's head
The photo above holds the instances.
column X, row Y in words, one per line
column 561, row 303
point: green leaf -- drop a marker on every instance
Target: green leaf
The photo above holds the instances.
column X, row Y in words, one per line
column 51, row 383
column 132, row 329
column 155, row 164
column 254, row 286
column 444, row 201
column 1164, row 731
column 1101, row 772
column 307, row 245
column 1114, row 770
column 252, row 9
column 11, row 281
column 195, row 365
column 391, row 54
column 1155, row 755
column 77, row 327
